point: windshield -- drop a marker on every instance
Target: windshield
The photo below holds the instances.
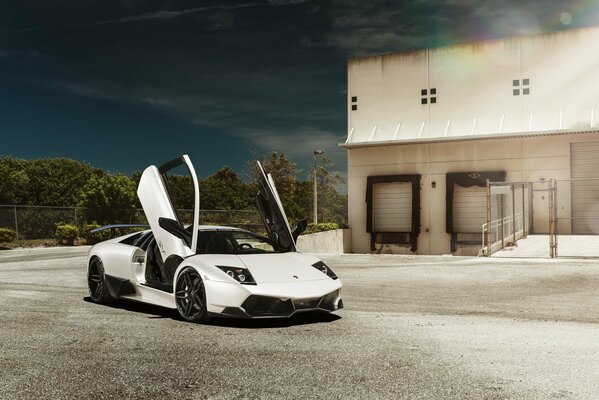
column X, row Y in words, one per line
column 234, row 242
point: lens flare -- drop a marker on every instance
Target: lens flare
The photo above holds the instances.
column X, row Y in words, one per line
column 565, row 18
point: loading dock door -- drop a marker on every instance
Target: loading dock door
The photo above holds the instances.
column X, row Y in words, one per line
column 469, row 209
column 392, row 207
column 584, row 158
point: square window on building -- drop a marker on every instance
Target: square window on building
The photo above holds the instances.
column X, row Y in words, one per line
column 526, row 81
column 354, row 107
column 423, row 92
column 433, row 100
column 423, row 101
column 516, row 92
column 526, row 91
column 516, row 82
column 434, row 91
column 354, row 99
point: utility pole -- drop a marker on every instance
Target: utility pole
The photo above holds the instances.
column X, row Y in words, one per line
column 316, row 153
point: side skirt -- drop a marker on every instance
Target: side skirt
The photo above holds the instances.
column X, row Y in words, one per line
column 146, row 294
column 165, row 287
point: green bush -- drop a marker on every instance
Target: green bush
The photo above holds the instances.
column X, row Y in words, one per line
column 7, row 235
column 66, row 234
column 322, row 227
column 93, row 238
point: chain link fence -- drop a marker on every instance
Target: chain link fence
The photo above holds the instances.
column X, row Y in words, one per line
column 520, row 219
column 552, row 218
column 40, row 222
column 576, row 212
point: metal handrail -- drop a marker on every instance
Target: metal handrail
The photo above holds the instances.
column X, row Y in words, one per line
column 502, row 222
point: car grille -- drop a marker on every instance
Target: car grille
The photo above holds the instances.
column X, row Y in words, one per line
column 264, row 306
column 303, row 304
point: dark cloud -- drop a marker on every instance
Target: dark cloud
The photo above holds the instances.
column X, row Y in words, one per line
column 227, row 76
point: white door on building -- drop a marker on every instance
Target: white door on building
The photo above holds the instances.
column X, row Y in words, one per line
column 584, row 159
column 469, row 209
column 392, row 207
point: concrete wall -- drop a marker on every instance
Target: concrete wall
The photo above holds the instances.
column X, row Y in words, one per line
column 330, row 242
column 474, row 86
column 523, row 158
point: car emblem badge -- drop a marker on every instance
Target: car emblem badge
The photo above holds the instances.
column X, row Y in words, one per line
column 295, row 276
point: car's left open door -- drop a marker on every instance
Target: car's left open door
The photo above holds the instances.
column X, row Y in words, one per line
column 155, row 195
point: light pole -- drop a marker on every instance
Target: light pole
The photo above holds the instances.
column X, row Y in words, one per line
column 316, row 153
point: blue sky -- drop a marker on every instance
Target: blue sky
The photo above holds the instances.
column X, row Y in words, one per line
column 123, row 84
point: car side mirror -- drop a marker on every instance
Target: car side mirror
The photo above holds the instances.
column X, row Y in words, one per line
column 274, row 237
column 173, row 227
column 299, row 228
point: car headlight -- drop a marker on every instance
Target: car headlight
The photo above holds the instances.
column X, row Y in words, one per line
column 325, row 269
column 241, row 275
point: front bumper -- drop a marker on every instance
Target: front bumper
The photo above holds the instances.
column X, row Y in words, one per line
column 272, row 300
column 272, row 307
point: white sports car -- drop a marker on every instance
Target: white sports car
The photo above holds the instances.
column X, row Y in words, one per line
column 205, row 271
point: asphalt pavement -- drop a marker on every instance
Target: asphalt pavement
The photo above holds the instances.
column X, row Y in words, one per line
column 412, row 327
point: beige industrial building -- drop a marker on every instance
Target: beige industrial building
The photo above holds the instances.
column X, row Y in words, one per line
column 427, row 128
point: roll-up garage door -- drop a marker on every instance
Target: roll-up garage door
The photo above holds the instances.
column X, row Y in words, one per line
column 469, row 209
column 392, row 207
column 584, row 158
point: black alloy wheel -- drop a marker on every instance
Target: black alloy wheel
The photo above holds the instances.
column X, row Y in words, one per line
column 190, row 295
column 96, row 282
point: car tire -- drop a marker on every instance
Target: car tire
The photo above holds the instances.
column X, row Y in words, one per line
column 96, row 282
column 190, row 296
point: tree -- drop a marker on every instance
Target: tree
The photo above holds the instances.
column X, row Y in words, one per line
column 225, row 191
column 182, row 191
column 226, row 174
column 111, row 198
column 108, row 198
column 57, row 181
column 285, row 174
column 332, row 206
column 13, row 181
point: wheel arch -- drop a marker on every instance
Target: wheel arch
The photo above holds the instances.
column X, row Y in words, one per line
column 115, row 258
column 180, row 268
column 90, row 258
column 207, row 272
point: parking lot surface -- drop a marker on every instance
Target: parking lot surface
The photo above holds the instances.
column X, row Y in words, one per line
column 412, row 327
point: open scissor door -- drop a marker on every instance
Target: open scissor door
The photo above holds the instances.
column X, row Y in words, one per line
column 155, row 194
column 273, row 215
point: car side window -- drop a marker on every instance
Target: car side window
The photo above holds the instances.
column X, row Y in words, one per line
column 131, row 240
column 144, row 241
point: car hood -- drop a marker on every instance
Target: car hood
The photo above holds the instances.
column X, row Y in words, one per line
column 280, row 267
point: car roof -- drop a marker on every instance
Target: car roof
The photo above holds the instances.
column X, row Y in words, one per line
column 202, row 228
column 217, row 228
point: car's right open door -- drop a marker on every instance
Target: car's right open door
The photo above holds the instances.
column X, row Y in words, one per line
column 273, row 215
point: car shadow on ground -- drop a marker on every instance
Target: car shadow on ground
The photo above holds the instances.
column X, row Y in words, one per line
column 303, row 318
column 142, row 308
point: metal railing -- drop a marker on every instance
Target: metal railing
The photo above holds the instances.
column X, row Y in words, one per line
column 509, row 219
column 502, row 232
